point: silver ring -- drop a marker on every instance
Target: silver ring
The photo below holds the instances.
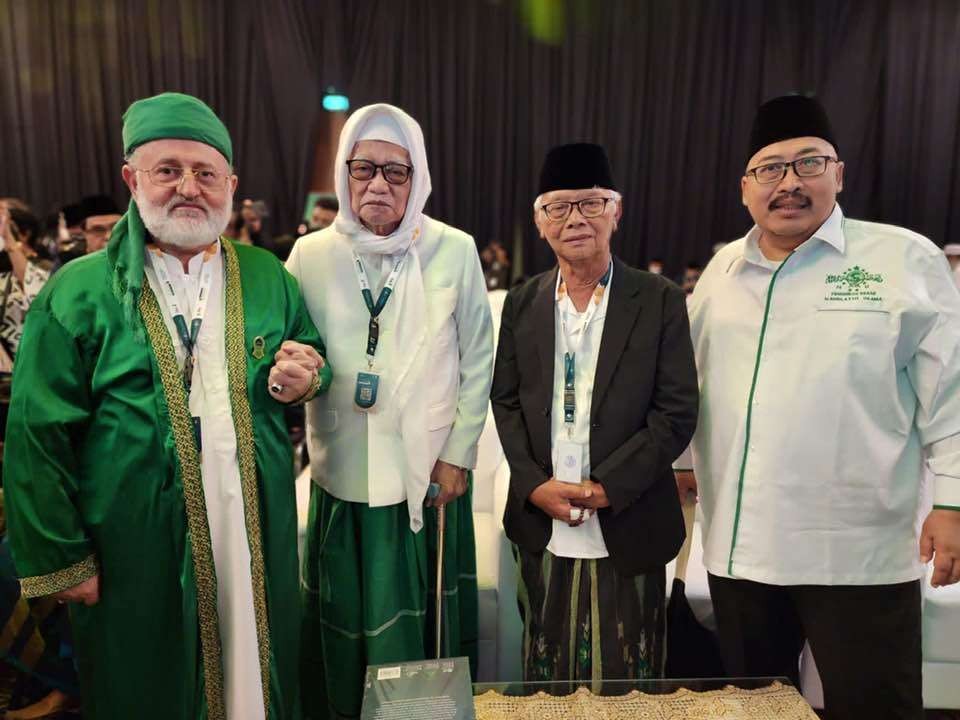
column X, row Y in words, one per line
column 276, row 388
column 575, row 514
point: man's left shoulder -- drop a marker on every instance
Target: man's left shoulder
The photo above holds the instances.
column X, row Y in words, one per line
column 255, row 259
column 862, row 234
column 447, row 235
column 643, row 282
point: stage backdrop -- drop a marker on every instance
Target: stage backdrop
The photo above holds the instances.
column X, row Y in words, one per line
column 668, row 87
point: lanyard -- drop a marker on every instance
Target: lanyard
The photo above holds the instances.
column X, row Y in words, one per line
column 570, row 351
column 373, row 330
column 188, row 337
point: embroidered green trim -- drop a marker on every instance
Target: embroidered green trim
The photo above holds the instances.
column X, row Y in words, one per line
column 246, row 455
column 204, row 571
column 40, row 585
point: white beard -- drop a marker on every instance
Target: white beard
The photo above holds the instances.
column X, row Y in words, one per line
column 184, row 232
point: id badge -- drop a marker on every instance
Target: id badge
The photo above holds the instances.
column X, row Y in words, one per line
column 569, row 462
column 365, row 395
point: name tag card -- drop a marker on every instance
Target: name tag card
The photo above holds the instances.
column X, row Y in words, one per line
column 365, row 395
column 569, row 462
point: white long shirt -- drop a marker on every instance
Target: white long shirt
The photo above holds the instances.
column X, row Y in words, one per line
column 220, row 470
column 826, row 381
column 585, row 540
column 457, row 384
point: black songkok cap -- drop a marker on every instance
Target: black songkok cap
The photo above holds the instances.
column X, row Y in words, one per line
column 98, row 205
column 72, row 214
column 787, row 117
column 577, row 166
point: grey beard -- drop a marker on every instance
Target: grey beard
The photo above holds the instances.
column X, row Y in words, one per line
column 186, row 233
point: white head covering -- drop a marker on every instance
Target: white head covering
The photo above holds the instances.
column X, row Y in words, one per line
column 381, row 126
column 402, row 408
column 382, row 122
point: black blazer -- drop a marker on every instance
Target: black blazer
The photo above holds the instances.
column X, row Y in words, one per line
column 642, row 416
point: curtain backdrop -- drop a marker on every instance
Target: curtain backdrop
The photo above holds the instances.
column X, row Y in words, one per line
column 669, row 87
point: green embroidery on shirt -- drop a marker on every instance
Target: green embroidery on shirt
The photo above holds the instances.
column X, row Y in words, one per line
column 856, row 283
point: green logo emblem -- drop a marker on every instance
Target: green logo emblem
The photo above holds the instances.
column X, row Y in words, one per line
column 856, row 278
column 856, row 283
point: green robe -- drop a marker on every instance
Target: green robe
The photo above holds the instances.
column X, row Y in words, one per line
column 101, row 471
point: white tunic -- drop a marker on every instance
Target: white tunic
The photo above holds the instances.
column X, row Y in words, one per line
column 220, row 469
column 825, row 381
column 585, row 540
column 345, row 444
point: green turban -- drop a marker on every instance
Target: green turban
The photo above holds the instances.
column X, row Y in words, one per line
column 168, row 116
column 174, row 116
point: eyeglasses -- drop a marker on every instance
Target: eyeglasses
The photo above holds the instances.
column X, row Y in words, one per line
column 173, row 175
column 588, row 207
column 809, row 166
column 393, row 173
column 99, row 231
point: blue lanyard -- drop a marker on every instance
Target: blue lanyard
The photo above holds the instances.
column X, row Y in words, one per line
column 373, row 329
column 569, row 388
column 570, row 358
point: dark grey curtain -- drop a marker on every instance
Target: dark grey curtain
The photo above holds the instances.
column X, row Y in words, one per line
column 69, row 68
column 669, row 86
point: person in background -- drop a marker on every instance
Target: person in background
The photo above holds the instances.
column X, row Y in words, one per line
column 496, row 265
column 48, row 243
column 22, row 274
column 253, row 213
column 324, row 212
column 71, row 243
column 233, row 231
column 655, row 266
column 691, row 274
column 99, row 216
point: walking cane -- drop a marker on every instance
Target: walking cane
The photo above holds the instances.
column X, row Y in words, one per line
column 432, row 492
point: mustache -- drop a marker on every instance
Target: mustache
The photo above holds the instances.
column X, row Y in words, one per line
column 175, row 202
column 795, row 198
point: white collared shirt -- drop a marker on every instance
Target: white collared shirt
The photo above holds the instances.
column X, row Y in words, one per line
column 585, row 540
column 825, row 381
column 220, row 472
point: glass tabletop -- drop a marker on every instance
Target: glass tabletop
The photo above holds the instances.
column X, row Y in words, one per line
column 622, row 687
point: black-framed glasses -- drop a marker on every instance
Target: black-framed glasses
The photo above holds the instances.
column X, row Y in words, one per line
column 173, row 175
column 393, row 172
column 589, row 207
column 808, row 166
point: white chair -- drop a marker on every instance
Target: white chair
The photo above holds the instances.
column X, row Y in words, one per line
column 500, row 628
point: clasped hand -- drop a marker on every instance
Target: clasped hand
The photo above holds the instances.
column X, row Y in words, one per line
column 557, row 499
column 295, row 366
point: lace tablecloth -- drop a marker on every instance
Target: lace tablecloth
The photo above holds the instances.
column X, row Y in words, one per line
column 775, row 701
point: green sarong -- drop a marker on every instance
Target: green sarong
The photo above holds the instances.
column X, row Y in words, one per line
column 584, row 621
column 368, row 594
